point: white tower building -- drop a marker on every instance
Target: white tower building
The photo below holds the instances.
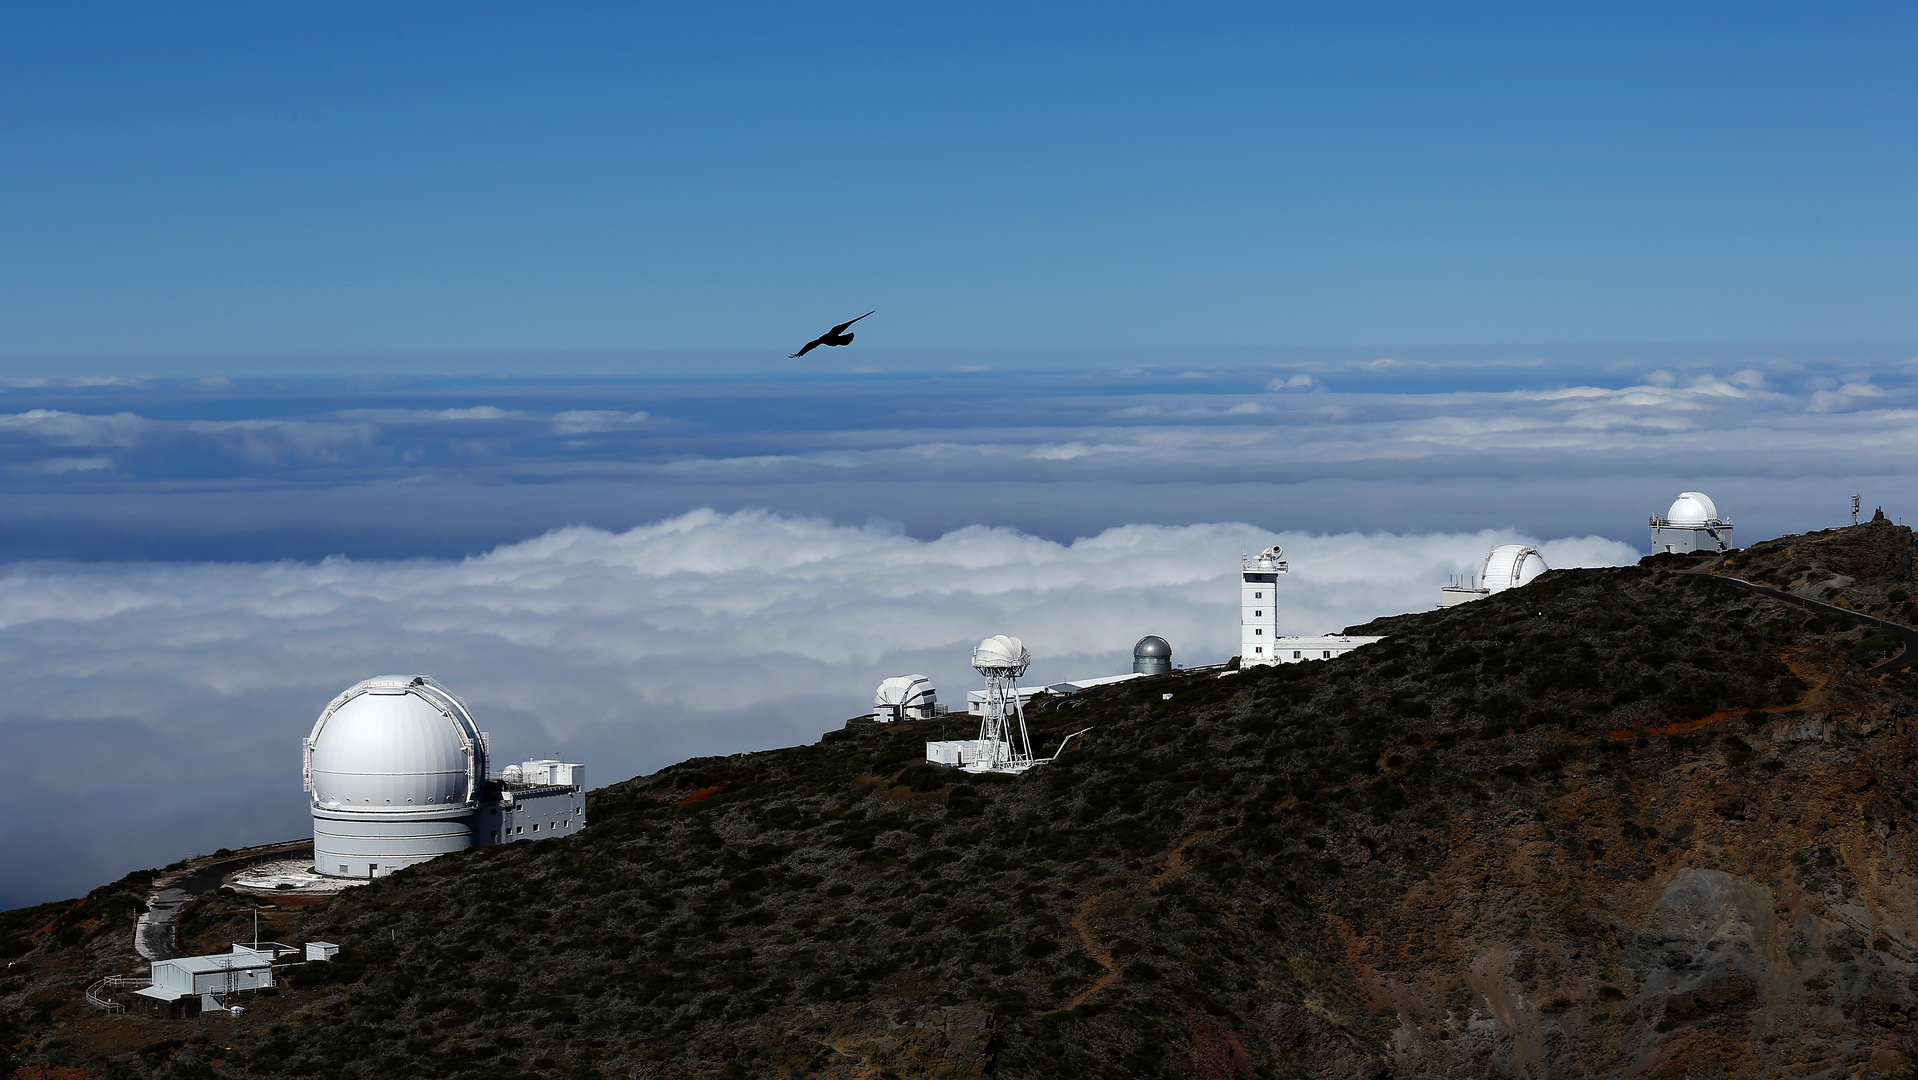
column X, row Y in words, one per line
column 1259, row 606
column 1507, row 566
column 398, row 772
column 1692, row 524
column 1259, row 638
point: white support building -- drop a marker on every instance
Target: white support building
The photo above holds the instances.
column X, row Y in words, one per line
column 218, row 975
column 1259, row 639
column 1296, row 650
column 398, row 773
column 1692, row 524
column 217, row 978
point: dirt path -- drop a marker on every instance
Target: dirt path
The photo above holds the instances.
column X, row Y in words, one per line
column 1081, row 920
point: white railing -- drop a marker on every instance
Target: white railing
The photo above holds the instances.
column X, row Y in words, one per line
column 97, row 994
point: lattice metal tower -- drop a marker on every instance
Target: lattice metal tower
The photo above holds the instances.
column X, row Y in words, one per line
column 1002, row 660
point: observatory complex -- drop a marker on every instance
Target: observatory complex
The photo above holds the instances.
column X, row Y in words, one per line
column 1259, row 638
column 398, row 772
column 1507, row 566
column 1692, row 524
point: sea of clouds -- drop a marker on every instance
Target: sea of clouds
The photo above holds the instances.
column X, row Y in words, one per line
column 157, row 708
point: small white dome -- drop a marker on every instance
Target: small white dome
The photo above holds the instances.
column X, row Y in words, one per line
column 393, row 744
column 1692, row 508
column 1001, row 654
column 1510, row 565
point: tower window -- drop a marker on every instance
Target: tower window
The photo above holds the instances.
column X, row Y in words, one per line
column 1260, row 649
column 1260, row 631
column 1258, row 596
column 1295, row 654
column 1257, row 613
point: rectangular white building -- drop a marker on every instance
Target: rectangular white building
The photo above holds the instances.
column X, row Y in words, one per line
column 1295, row 650
column 220, row 974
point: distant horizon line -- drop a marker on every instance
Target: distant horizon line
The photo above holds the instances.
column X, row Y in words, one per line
column 913, row 359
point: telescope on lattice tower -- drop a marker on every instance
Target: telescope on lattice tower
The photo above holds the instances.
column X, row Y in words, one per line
column 1002, row 733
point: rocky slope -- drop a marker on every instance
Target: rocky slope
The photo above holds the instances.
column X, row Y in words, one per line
column 1632, row 822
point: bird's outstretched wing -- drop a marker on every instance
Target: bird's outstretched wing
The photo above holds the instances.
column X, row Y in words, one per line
column 841, row 328
column 806, row 348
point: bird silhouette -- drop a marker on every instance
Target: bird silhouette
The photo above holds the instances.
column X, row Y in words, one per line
column 835, row 337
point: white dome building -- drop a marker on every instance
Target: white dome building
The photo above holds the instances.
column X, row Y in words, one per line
column 1507, row 566
column 1692, row 524
column 398, row 773
column 904, row 697
column 1002, row 655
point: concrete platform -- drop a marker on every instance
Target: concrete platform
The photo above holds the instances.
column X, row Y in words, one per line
column 288, row 877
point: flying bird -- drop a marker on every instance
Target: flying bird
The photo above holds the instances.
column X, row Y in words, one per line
column 835, row 337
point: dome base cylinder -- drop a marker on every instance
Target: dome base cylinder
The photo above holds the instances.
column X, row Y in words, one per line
column 361, row 845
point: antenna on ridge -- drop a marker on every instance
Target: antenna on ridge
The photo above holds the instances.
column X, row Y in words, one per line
column 1854, row 509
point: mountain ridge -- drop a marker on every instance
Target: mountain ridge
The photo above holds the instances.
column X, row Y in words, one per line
column 1636, row 821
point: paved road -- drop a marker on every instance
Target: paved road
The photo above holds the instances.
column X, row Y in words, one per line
column 155, row 936
column 1907, row 634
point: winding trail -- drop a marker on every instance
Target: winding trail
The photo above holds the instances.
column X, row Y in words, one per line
column 1081, row 920
column 155, row 933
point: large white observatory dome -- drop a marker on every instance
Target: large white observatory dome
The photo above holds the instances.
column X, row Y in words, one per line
column 396, row 766
column 394, row 742
column 1692, row 508
column 1509, row 566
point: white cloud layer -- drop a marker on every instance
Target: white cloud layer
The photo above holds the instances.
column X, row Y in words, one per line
column 170, row 699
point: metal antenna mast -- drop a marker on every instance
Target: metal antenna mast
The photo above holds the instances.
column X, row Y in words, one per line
column 1854, row 509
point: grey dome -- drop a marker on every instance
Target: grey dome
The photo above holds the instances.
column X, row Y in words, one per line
column 1152, row 645
column 1152, row 655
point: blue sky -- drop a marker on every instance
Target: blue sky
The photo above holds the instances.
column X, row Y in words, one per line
column 338, row 340
column 227, row 185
